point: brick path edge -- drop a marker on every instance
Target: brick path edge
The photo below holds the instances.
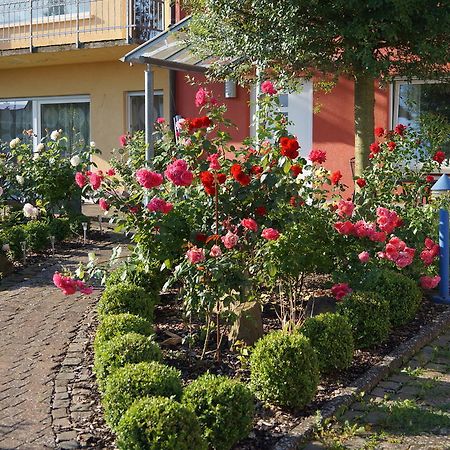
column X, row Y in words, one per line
column 345, row 397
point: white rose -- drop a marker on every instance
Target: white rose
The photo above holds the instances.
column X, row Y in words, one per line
column 36, row 156
column 54, row 136
column 14, row 143
column 93, row 144
column 28, row 210
column 20, row 179
column 75, row 161
column 6, row 247
column 40, row 147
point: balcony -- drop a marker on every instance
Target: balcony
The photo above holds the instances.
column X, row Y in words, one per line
column 32, row 24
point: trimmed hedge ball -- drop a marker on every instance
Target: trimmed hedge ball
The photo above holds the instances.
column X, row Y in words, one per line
column 37, row 235
column 133, row 381
column 284, row 369
column 224, row 407
column 159, row 423
column 126, row 298
column 121, row 350
column 401, row 292
column 117, row 324
column 331, row 337
column 368, row 314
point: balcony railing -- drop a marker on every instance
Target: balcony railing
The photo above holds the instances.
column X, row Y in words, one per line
column 39, row 23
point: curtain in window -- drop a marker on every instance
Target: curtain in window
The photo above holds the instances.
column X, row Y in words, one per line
column 15, row 117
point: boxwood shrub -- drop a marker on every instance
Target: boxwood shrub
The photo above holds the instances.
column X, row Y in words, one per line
column 133, row 381
column 284, row 369
column 60, row 228
column 224, row 407
column 331, row 337
column 126, row 298
column 368, row 314
column 121, row 350
column 401, row 292
column 117, row 324
column 159, row 423
column 37, row 235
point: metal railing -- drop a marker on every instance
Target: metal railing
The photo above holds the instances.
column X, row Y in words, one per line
column 39, row 23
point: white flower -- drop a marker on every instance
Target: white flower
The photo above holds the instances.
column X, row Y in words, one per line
column 6, row 247
column 36, row 156
column 54, row 136
column 20, row 179
column 1, row 191
column 93, row 144
column 40, row 147
column 75, row 161
column 30, row 211
column 14, row 143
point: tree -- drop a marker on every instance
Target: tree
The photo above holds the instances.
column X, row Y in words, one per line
column 366, row 40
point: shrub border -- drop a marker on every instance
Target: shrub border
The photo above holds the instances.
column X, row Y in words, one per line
column 346, row 396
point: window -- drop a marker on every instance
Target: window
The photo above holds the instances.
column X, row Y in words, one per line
column 417, row 98
column 43, row 115
column 136, row 109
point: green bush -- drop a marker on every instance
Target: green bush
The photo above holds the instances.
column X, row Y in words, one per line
column 14, row 236
column 117, row 324
column 126, row 298
column 76, row 223
column 159, row 423
column 331, row 337
column 121, row 350
column 368, row 314
column 224, row 407
column 37, row 235
column 60, row 228
column 134, row 381
column 402, row 293
column 284, row 369
column 150, row 280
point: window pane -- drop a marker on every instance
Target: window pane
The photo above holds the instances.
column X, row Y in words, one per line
column 137, row 113
column 72, row 118
column 15, row 117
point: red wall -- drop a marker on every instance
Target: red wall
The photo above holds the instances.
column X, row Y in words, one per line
column 333, row 125
column 238, row 108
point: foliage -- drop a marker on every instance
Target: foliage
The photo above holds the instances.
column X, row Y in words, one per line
column 368, row 314
column 37, row 235
column 159, row 423
column 402, row 293
column 135, row 381
column 126, row 298
column 121, row 350
column 60, row 228
column 114, row 325
column 284, row 369
column 331, row 337
column 224, row 407
column 13, row 236
column 76, row 223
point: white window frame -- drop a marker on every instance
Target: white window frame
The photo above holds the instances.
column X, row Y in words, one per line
column 37, row 102
column 139, row 94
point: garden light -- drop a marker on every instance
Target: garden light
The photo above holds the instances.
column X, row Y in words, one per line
column 442, row 186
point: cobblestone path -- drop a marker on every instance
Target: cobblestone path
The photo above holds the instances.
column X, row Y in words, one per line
column 408, row 411
column 36, row 324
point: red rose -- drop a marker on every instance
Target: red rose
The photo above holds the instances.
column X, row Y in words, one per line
column 255, row 170
column 235, row 170
column 221, row 178
column 317, row 156
column 439, row 157
column 201, row 237
column 289, row 147
column 260, row 211
column 243, row 179
column 296, row 170
column 379, row 131
column 430, row 179
column 391, row 145
column 361, row 182
column 400, row 129
column 335, row 177
column 375, row 148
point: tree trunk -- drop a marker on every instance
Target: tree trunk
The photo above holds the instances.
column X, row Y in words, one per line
column 364, row 120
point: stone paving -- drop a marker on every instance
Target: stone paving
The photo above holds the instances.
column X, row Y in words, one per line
column 410, row 410
column 37, row 322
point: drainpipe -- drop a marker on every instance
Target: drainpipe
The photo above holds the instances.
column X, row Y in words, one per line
column 149, row 114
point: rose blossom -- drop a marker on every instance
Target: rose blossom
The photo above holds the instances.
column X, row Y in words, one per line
column 344, row 228
column 335, row 177
column 95, row 179
column 160, row 120
column 250, row 224
column 267, row 87
column 427, row 282
column 379, row 131
column 439, row 157
column 80, row 179
column 159, row 205
column 30, row 211
column 215, row 251
column 271, row 234
column 361, row 182
column 110, row 172
column 103, row 204
column 230, row 240
column 214, row 162
column 55, row 135
column 123, row 140
column 75, row 161
column 195, row 255
column 14, row 143
column 178, row 173
column 40, row 147
column 317, row 156
column 148, row 179
column 364, row 257
column 69, row 286
column 400, row 129
column 345, row 208
column 340, row 290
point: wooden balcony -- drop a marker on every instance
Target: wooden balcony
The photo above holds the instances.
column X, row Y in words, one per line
column 28, row 25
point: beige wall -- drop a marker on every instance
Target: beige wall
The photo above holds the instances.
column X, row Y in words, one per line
column 106, row 82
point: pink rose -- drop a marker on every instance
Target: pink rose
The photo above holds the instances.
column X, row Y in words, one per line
column 215, row 251
column 178, row 173
column 80, row 179
column 195, row 255
column 230, row 240
column 159, row 205
column 429, row 282
column 69, row 286
column 250, row 224
column 267, row 87
column 160, row 120
column 345, row 208
column 103, row 204
column 340, row 290
column 270, row 234
column 83, row 288
column 95, row 180
column 201, row 97
column 364, row 257
column 111, row 172
column 214, row 162
column 123, row 140
column 387, row 220
column 344, row 228
column 148, row 179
